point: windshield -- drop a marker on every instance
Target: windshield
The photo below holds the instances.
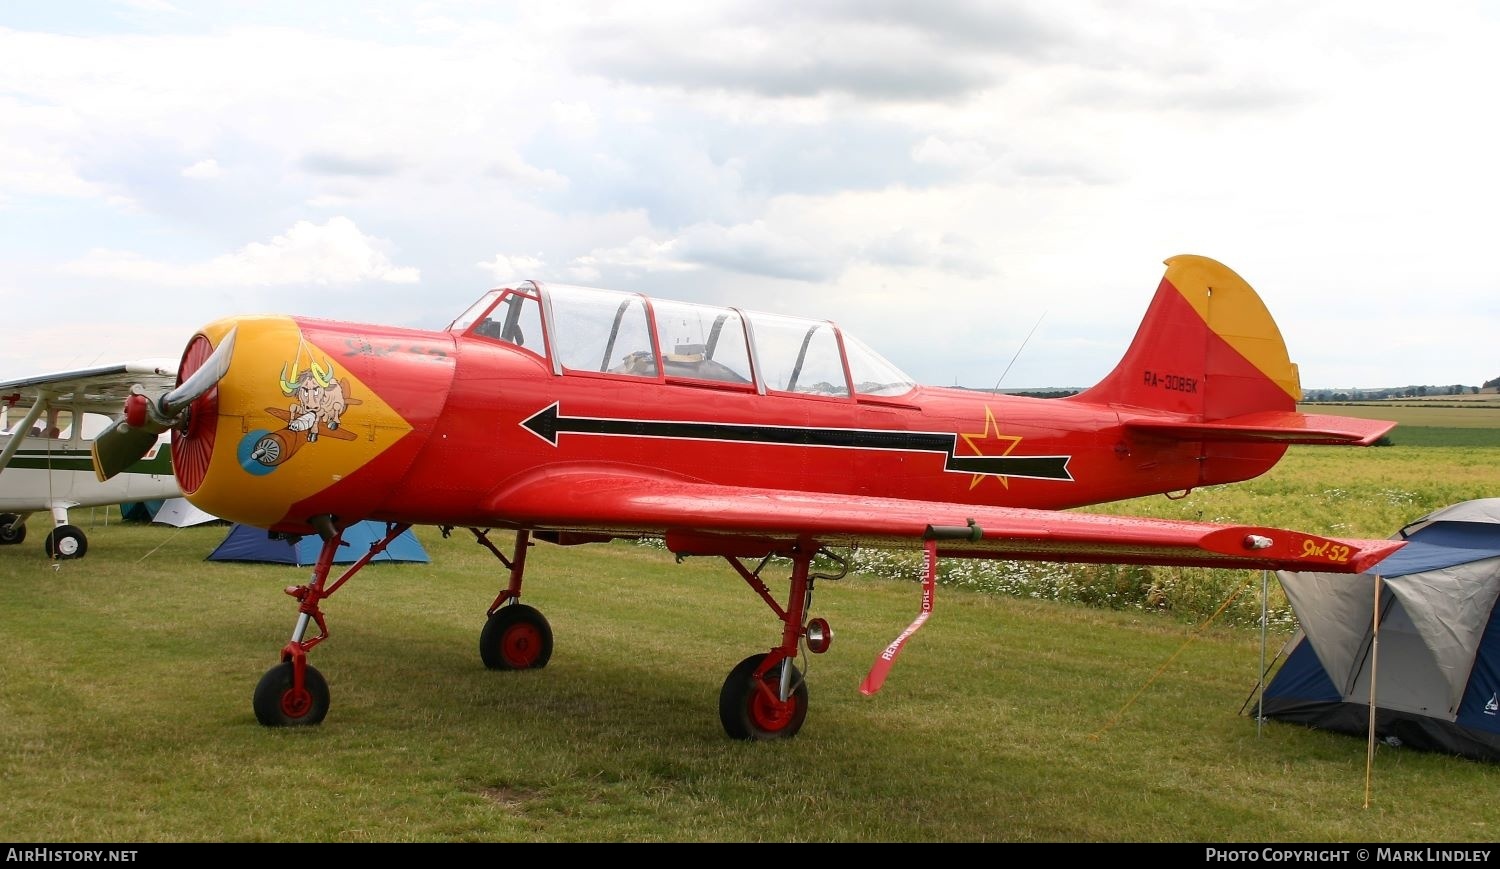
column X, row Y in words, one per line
column 873, row 374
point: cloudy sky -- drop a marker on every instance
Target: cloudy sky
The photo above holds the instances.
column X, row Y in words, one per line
column 983, row 191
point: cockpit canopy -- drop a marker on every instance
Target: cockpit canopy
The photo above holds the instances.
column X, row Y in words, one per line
column 582, row 329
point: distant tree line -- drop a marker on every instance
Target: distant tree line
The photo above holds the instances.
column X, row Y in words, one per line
column 1375, row 394
column 1393, row 392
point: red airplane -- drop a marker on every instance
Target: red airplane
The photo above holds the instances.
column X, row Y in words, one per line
column 571, row 415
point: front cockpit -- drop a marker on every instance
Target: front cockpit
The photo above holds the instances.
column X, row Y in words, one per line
column 585, row 330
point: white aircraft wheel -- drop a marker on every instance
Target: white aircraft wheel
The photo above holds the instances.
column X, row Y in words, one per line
column 66, row 541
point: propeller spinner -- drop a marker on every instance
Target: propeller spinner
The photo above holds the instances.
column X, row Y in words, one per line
column 128, row 439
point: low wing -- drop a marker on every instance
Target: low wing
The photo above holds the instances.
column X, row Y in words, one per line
column 697, row 518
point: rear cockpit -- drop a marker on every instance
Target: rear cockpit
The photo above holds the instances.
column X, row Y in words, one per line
column 582, row 330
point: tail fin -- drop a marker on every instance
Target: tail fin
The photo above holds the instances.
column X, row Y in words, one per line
column 1209, row 356
column 1207, row 347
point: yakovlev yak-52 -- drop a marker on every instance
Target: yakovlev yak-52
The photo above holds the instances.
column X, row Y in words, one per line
column 569, row 415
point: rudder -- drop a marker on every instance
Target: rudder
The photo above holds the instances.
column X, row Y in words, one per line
column 1207, row 347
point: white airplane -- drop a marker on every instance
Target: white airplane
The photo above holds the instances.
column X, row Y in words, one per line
column 46, row 457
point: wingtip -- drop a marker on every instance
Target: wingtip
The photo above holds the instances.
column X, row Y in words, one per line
column 1374, row 552
column 1295, row 551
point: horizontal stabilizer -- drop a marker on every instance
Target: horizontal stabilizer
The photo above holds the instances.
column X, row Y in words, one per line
column 1272, row 426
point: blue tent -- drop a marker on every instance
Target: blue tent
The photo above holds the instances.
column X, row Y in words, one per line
column 1434, row 653
column 140, row 511
column 247, row 543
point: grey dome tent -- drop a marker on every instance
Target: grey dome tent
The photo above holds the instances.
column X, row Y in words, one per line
column 248, row 543
column 1435, row 656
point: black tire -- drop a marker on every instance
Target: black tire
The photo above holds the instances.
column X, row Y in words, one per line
column 276, row 705
column 12, row 529
column 747, row 714
column 516, row 637
column 66, row 541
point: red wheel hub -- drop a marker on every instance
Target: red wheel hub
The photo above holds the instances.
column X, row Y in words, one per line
column 521, row 646
column 296, row 704
column 768, row 713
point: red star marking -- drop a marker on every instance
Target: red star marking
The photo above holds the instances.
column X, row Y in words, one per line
column 1000, row 445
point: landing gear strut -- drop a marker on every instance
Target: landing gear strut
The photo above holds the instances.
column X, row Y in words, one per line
column 515, row 636
column 765, row 695
column 293, row 693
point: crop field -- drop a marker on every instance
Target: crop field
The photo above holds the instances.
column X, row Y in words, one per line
column 1456, row 422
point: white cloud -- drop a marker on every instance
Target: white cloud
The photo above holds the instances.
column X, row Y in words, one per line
column 509, row 268
column 34, row 153
column 333, row 253
column 959, row 154
column 639, row 255
column 203, row 169
column 575, row 118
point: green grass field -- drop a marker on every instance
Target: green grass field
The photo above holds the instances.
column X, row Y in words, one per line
column 125, row 690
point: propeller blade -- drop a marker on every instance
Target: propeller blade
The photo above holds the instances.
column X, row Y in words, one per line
column 213, row 369
column 125, row 442
column 118, row 447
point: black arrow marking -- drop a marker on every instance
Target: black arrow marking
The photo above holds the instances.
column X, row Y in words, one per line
column 548, row 424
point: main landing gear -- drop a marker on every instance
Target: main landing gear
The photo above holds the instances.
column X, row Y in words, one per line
column 63, row 541
column 764, row 696
column 515, row 636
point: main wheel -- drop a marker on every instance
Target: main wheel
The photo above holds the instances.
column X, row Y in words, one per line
column 12, row 529
column 516, row 637
column 278, row 704
column 66, row 541
column 746, row 711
